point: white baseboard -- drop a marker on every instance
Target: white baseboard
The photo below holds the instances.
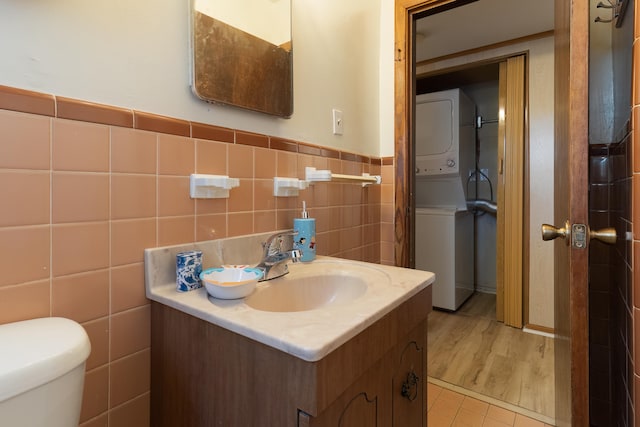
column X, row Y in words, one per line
column 536, row 332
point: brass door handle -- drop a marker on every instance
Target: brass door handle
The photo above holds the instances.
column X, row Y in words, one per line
column 606, row 235
column 577, row 234
column 550, row 232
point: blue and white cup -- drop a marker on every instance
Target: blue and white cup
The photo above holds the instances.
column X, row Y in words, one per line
column 188, row 269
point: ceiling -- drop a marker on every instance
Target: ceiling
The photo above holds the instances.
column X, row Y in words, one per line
column 480, row 23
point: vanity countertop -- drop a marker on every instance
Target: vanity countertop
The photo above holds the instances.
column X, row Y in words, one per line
column 309, row 335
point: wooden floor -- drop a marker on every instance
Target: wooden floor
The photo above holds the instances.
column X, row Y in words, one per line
column 471, row 350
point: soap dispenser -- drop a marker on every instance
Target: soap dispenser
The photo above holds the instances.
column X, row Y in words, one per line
column 305, row 237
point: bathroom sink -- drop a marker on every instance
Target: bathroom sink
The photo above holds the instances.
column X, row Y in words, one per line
column 308, row 313
column 313, row 286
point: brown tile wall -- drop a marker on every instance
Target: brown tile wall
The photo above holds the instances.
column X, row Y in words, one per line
column 633, row 321
column 600, row 272
column 614, row 285
column 610, row 287
column 621, row 303
column 84, row 188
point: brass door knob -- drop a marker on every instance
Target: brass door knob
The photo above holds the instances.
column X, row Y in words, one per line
column 578, row 234
column 550, row 232
column 606, row 235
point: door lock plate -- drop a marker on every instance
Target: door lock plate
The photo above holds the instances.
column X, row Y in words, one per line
column 579, row 236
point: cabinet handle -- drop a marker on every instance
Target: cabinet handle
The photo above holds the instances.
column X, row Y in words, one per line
column 410, row 386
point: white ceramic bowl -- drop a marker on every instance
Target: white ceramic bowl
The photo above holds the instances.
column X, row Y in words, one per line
column 230, row 282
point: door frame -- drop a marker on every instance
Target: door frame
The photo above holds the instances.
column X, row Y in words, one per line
column 404, row 41
column 512, row 280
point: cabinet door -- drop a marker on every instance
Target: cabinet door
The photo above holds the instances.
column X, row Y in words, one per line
column 409, row 384
column 360, row 411
column 366, row 403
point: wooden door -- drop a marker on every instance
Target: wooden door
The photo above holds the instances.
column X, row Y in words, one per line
column 571, row 204
column 570, row 192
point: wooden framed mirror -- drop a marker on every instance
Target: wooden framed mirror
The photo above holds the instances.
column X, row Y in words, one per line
column 241, row 54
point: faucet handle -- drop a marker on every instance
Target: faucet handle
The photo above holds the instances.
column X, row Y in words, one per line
column 273, row 246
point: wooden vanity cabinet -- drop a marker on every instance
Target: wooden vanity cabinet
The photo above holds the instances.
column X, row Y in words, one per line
column 377, row 398
column 204, row 375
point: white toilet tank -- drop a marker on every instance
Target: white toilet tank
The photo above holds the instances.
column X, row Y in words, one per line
column 42, row 372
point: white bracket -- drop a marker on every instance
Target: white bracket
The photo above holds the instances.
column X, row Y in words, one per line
column 211, row 186
column 288, row 187
column 313, row 175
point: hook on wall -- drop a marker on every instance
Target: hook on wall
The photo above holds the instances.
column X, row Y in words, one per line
column 598, row 19
column 618, row 8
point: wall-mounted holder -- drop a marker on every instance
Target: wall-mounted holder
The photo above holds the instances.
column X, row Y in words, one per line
column 313, row 175
column 211, row 186
column 618, row 9
column 288, row 187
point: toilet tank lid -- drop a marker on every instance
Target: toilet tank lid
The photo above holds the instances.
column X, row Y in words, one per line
column 34, row 352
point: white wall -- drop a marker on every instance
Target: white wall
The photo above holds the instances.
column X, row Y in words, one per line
column 485, row 96
column 134, row 54
column 541, row 165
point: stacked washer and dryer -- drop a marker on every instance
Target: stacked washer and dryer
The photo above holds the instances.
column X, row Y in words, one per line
column 444, row 229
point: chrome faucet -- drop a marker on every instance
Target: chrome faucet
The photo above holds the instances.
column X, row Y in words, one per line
column 274, row 257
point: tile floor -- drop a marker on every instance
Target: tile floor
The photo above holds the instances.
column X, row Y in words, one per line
column 446, row 408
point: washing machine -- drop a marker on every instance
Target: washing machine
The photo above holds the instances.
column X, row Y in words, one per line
column 444, row 242
column 445, row 153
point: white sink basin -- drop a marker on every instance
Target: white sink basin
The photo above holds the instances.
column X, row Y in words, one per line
column 313, row 286
column 327, row 312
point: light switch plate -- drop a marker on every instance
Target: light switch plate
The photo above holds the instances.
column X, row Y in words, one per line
column 338, row 124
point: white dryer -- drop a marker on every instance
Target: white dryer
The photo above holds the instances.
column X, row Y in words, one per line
column 445, row 246
column 445, row 153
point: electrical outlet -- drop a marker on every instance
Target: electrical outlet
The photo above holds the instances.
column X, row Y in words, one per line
column 338, row 124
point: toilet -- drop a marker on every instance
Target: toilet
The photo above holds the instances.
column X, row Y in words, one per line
column 42, row 365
